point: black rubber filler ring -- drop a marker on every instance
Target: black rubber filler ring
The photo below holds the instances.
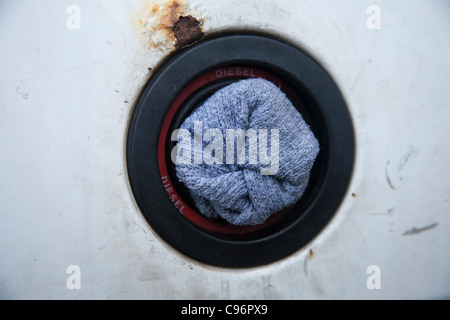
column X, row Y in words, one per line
column 330, row 122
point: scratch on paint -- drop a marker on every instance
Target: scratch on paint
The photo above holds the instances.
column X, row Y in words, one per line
column 415, row 230
column 309, row 257
column 388, row 178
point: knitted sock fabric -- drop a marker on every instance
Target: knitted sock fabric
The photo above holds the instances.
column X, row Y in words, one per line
column 240, row 192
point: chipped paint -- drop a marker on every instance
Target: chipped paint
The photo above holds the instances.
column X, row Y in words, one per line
column 187, row 30
column 154, row 23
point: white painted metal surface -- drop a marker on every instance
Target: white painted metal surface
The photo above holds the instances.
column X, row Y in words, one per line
column 66, row 97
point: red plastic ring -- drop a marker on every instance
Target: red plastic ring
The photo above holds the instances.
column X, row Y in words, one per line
column 193, row 216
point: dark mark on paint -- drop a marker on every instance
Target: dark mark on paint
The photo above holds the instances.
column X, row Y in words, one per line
column 187, row 30
column 415, row 230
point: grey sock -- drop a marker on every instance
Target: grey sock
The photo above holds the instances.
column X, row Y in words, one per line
column 250, row 192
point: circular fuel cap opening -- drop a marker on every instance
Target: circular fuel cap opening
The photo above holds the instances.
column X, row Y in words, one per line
column 180, row 86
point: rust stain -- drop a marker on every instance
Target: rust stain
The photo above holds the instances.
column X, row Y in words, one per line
column 173, row 9
column 170, row 13
column 155, row 9
column 187, row 30
column 166, row 24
